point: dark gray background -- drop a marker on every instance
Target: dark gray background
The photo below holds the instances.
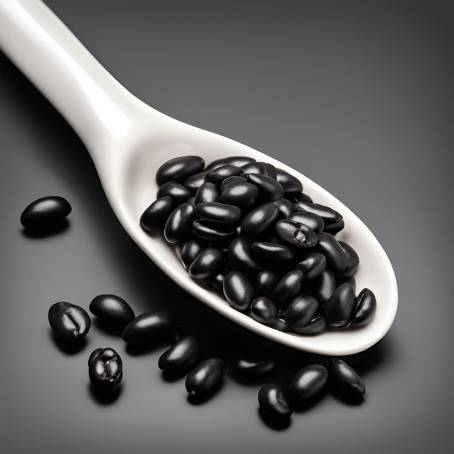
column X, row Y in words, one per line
column 355, row 94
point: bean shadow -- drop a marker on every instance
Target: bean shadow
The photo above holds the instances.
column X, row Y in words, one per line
column 274, row 424
column 104, row 398
column 68, row 348
column 39, row 234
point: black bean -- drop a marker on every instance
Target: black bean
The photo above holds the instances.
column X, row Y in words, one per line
column 350, row 280
column 269, row 170
column 206, row 377
column 258, row 220
column 195, row 181
column 69, row 322
column 148, row 327
column 312, row 265
column 232, row 180
column 365, row 305
column 316, row 326
column 238, row 161
column 105, row 369
column 289, row 183
column 212, row 232
column 308, row 381
column 252, row 369
column 324, row 286
column 285, row 207
column 178, row 227
column 346, row 380
column 218, row 175
column 207, row 192
column 269, row 188
column 217, row 282
column 240, row 257
column 334, row 227
column 45, row 214
column 242, row 195
column 352, row 260
column 175, row 190
column 272, row 253
column 208, row 263
column 334, row 253
column 237, row 290
column 218, row 212
column 280, row 325
column 328, row 214
column 253, row 167
column 263, row 310
column 288, row 287
column 296, row 234
column 300, row 312
column 189, row 251
column 266, row 281
column 273, row 403
column 112, row 309
column 312, row 220
column 339, row 308
column 155, row 216
column 303, row 197
column 180, row 356
column 178, row 169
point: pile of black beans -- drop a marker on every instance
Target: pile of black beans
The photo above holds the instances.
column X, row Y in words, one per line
column 248, row 230
column 71, row 324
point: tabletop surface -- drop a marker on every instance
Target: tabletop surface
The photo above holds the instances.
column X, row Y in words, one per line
column 356, row 95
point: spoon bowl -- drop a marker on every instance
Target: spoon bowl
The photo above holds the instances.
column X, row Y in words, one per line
column 129, row 141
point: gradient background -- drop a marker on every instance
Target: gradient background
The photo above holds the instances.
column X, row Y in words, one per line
column 358, row 95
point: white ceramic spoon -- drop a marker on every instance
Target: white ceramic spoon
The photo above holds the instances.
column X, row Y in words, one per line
column 129, row 140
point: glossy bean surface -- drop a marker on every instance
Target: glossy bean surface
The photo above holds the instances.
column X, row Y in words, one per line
column 252, row 369
column 316, row 326
column 69, row 322
column 155, row 216
column 206, row 377
column 263, row 310
column 212, row 232
column 266, row 281
column 289, row 183
column 178, row 227
column 351, row 259
column 178, row 169
column 218, row 212
column 339, row 308
column 365, row 306
column 45, row 214
column 105, row 369
column 195, row 181
column 273, row 403
column 112, row 309
column 259, row 220
column 208, row 262
column 309, row 381
column 148, row 327
column 288, row 287
column 180, row 356
column 242, row 194
column 324, row 286
column 240, row 257
column 207, row 192
column 312, row 220
column 237, row 161
column 346, row 380
column 237, row 290
column 218, row 175
column 312, row 265
column 189, row 251
column 328, row 214
column 268, row 188
column 296, row 234
column 300, row 312
column 176, row 191
column 334, row 253
column 285, row 207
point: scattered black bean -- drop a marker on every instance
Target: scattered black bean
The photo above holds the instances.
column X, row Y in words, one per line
column 148, row 327
column 364, row 310
column 308, row 381
column 112, row 309
column 273, row 403
column 180, row 356
column 208, row 263
column 45, row 214
column 205, row 378
column 346, row 380
column 69, row 322
column 178, row 169
column 252, row 369
column 339, row 308
column 105, row 369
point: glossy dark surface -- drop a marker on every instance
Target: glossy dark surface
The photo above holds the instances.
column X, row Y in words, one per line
column 316, row 326
column 339, row 308
column 105, row 369
column 269, row 189
column 241, row 194
column 272, row 253
column 263, row 310
column 258, row 220
column 252, row 369
column 237, row 290
column 352, row 260
column 357, row 96
column 207, row 192
column 346, row 380
column 334, row 253
column 208, row 263
column 240, row 258
column 176, row 191
column 211, row 231
column 218, row 212
column 195, row 181
column 288, row 287
column 148, row 327
column 365, row 305
column 178, row 227
column 180, row 356
column 314, row 221
column 189, row 251
column 232, row 180
column 205, row 378
column 112, row 309
column 45, row 214
column 273, row 403
column 308, row 381
column 285, row 207
column 329, row 215
column 312, row 265
column 324, row 286
column 296, row 234
column 179, row 169
column 237, row 161
column 266, row 281
column 300, row 312
column 155, row 216
column 69, row 322
column 289, row 183
column 219, row 174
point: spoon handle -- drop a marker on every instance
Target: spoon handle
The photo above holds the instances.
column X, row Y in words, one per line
column 98, row 107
